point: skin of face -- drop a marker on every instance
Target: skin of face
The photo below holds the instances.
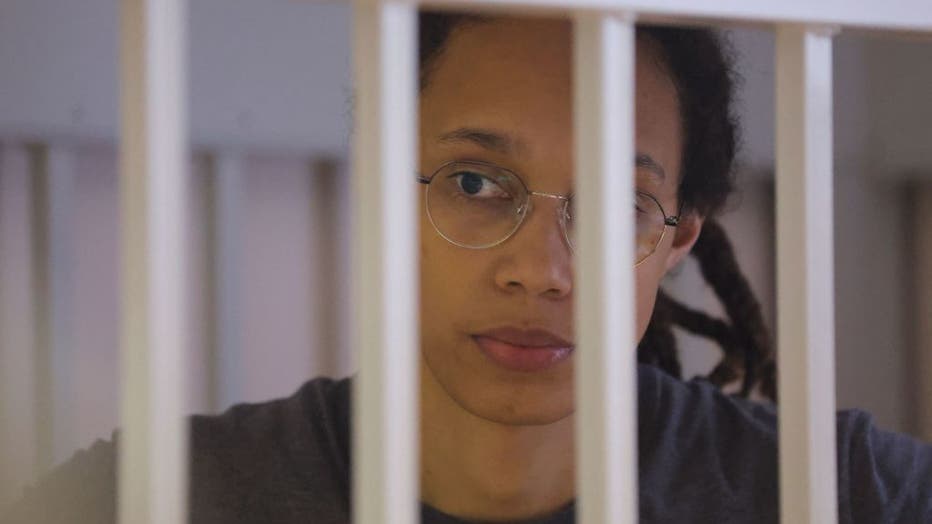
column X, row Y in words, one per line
column 514, row 77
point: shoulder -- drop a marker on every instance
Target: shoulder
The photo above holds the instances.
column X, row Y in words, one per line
column 697, row 409
column 242, row 462
column 273, row 461
column 320, row 408
column 882, row 476
column 713, row 453
column 82, row 486
column 690, row 430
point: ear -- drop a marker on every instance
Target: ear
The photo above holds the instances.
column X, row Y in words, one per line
column 686, row 235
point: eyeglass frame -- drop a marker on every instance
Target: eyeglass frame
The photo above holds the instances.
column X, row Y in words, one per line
column 671, row 221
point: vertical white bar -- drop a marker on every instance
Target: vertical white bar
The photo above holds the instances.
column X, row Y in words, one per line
column 152, row 453
column 805, row 276
column 922, row 217
column 327, row 198
column 606, row 392
column 385, row 401
column 41, row 312
column 54, row 278
column 18, row 358
column 228, row 373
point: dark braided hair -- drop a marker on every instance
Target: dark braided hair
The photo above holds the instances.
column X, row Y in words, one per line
column 703, row 76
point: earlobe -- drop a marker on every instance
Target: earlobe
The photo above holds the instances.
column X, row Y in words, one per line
column 685, row 235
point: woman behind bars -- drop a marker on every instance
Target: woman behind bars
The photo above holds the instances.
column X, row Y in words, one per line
column 496, row 374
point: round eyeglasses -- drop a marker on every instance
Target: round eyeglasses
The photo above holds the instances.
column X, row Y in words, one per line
column 477, row 205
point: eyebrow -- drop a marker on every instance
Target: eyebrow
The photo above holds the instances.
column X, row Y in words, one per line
column 504, row 143
column 646, row 161
column 486, row 138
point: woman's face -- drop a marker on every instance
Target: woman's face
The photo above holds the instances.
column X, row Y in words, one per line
column 511, row 80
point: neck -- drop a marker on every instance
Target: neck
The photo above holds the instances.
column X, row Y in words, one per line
column 479, row 469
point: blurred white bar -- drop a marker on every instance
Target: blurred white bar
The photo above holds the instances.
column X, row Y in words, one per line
column 385, row 430
column 18, row 417
column 606, row 382
column 904, row 15
column 329, row 201
column 54, row 251
column 228, row 373
column 152, row 472
column 805, row 276
column 922, row 218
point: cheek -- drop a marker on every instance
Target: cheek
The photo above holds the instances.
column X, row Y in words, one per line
column 647, row 278
column 433, row 271
column 449, row 276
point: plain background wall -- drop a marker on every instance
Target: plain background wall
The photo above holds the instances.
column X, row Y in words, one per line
column 269, row 86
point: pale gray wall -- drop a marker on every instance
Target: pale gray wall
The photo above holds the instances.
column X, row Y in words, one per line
column 251, row 67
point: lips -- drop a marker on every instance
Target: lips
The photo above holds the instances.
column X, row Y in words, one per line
column 526, row 350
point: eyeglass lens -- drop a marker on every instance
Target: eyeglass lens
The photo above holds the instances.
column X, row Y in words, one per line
column 475, row 205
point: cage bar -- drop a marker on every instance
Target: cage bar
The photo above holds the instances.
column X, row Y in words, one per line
column 385, row 429
column 805, row 276
column 53, row 279
column 606, row 392
column 227, row 193
column 902, row 15
column 922, row 267
column 19, row 419
column 153, row 446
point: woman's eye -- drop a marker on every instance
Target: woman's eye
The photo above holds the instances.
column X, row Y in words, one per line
column 642, row 203
column 474, row 184
column 638, row 206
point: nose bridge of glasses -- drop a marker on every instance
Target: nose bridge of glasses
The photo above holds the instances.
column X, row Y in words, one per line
column 563, row 198
column 560, row 209
column 561, row 203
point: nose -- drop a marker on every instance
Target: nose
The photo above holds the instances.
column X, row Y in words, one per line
column 536, row 260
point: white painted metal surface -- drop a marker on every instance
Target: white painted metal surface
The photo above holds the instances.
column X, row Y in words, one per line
column 385, row 256
column 922, row 267
column 606, row 392
column 18, row 420
column 805, row 276
column 914, row 15
column 152, row 454
column 228, row 370
column 54, row 249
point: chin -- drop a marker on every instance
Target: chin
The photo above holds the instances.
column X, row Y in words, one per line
column 531, row 418
column 518, row 405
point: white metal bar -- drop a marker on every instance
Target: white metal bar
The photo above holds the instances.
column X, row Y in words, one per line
column 328, row 189
column 18, row 424
column 41, row 299
column 922, row 265
column 385, row 401
column 606, row 392
column 903, row 15
column 228, row 192
column 152, row 452
column 805, row 276
column 54, row 277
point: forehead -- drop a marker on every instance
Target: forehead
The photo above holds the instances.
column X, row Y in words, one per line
column 506, row 73
column 516, row 76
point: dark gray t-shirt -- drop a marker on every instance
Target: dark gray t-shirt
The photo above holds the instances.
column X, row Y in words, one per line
column 704, row 458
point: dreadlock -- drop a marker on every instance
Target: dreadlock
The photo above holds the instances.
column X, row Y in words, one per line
column 703, row 75
column 745, row 341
